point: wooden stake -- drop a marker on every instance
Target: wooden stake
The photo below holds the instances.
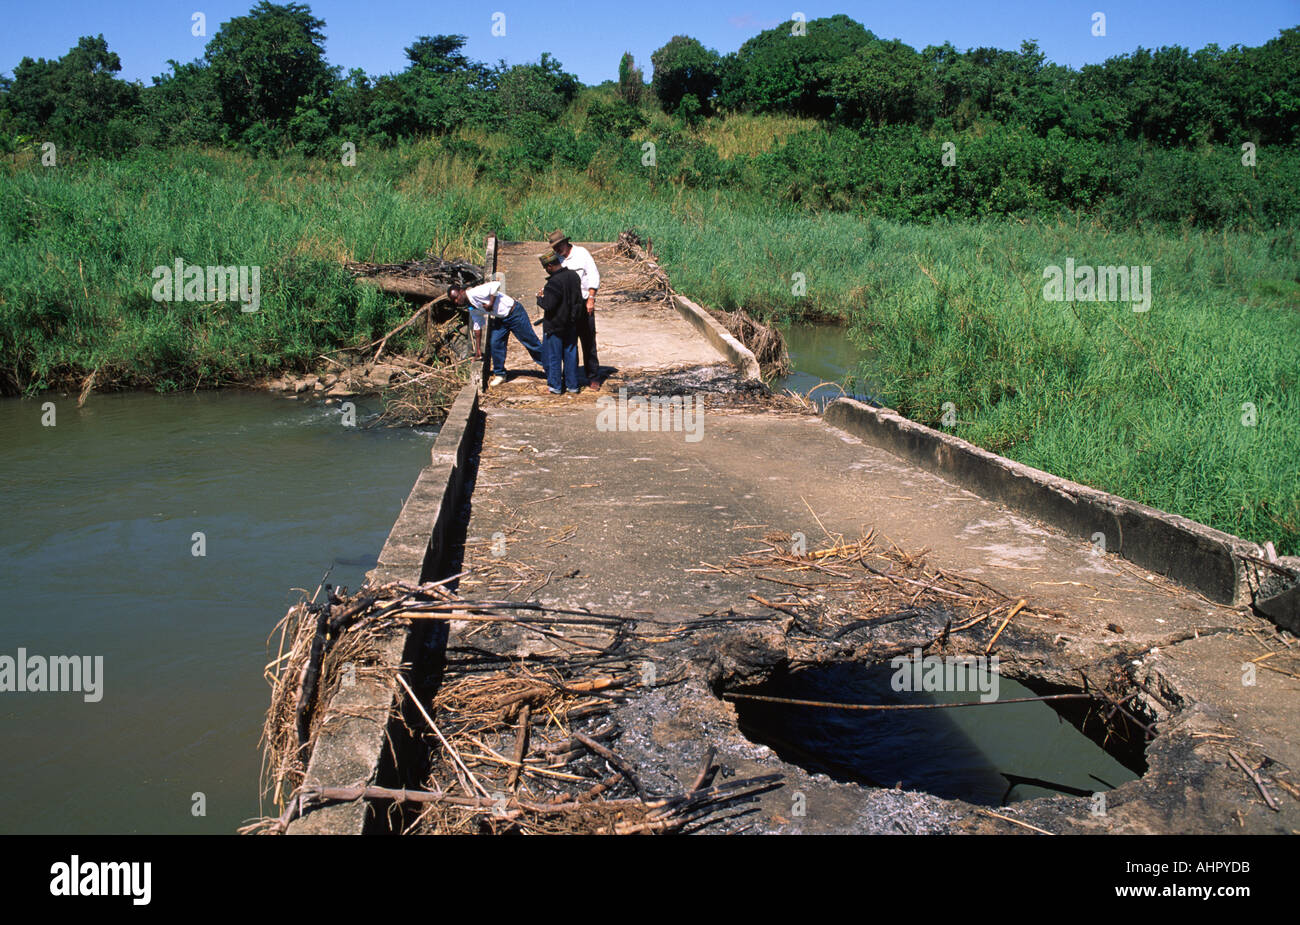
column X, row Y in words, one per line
column 445, row 744
column 521, row 746
column 1017, row 822
column 1014, row 610
column 1254, row 776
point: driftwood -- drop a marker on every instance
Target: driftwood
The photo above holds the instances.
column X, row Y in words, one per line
column 1255, row 778
column 413, row 286
column 428, row 277
column 662, row 814
column 765, row 341
column 481, row 725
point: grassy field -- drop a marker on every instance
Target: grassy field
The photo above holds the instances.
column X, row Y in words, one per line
column 1148, row 405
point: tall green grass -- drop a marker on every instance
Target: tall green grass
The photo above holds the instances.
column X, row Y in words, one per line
column 1147, row 405
column 77, row 247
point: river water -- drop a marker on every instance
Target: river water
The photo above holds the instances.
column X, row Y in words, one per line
column 823, row 353
column 987, row 755
column 97, row 552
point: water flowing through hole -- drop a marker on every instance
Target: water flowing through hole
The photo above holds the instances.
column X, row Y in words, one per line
column 987, row 755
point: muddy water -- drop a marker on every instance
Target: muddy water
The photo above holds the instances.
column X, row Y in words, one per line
column 97, row 553
column 987, row 755
column 823, row 353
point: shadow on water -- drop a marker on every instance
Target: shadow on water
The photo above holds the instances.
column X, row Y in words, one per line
column 986, row 755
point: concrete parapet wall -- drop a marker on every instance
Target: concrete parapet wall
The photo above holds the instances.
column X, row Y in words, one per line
column 740, row 356
column 352, row 741
column 1188, row 552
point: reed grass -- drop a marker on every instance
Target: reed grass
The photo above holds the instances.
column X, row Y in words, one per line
column 1147, row 405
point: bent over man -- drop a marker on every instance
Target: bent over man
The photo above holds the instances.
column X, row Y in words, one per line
column 508, row 317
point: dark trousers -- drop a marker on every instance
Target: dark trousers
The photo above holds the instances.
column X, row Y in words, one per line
column 561, row 351
column 499, row 332
column 587, row 337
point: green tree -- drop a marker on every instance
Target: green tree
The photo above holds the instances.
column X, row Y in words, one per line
column 76, row 100
column 183, row 107
column 784, row 72
column 1264, row 92
column 686, row 76
column 438, row 53
column 439, row 91
column 631, row 83
column 264, row 64
column 881, row 82
column 530, row 95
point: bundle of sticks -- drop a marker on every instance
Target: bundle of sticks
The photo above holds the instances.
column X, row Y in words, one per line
column 850, row 586
column 428, row 277
column 423, row 393
column 765, row 341
column 533, row 751
column 517, row 749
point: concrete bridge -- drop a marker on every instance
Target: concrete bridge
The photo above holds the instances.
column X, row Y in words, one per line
column 539, row 498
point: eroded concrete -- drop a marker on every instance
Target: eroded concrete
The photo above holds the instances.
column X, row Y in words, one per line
column 651, row 506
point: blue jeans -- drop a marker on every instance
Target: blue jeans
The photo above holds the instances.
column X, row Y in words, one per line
column 561, row 353
column 515, row 323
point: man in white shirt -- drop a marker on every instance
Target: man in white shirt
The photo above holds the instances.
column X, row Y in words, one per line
column 508, row 317
column 578, row 258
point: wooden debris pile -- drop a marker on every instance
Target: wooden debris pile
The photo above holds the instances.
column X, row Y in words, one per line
column 532, row 750
column 849, row 586
column 525, row 748
column 423, row 387
column 765, row 341
column 423, row 395
column 428, row 277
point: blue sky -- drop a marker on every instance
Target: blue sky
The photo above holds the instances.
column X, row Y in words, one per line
column 589, row 37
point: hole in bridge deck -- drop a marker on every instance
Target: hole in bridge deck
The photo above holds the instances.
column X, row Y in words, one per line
column 987, row 755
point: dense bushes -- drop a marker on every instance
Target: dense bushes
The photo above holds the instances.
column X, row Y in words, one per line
column 1153, row 136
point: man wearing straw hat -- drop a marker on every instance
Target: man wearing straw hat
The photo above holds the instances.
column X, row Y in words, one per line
column 578, row 258
column 561, row 303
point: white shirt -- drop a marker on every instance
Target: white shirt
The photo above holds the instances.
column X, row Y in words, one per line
column 487, row 297
column 580, row 259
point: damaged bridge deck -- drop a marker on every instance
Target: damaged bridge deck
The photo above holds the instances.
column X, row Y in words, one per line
column 572, row 514
column 634, row 520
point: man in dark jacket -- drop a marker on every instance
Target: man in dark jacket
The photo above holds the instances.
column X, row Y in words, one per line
column 561, row 302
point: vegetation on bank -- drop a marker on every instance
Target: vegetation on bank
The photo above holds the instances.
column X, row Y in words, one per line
column 1146, row 404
